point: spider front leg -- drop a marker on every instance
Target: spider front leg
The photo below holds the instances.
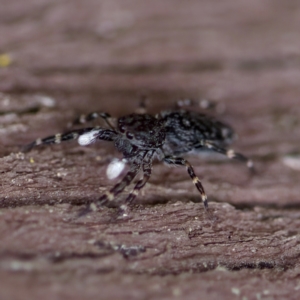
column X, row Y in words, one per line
column 85, row 136
column 112, row 193
column 118, row 188
column 183, row 162
column 231, row 154
column 147, row 168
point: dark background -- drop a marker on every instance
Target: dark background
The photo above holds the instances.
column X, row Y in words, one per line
column 62, row 58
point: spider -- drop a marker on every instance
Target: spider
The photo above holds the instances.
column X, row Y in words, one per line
column 142, row 137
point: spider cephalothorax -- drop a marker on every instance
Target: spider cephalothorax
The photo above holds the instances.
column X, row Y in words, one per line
column 139, row 132
column 142, row 137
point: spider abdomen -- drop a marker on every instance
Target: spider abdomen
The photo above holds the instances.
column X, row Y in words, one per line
column 187, row 131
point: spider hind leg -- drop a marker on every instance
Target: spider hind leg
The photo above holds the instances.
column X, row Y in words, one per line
column 231, row 154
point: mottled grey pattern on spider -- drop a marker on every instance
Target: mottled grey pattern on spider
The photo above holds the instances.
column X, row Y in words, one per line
column 143, row 137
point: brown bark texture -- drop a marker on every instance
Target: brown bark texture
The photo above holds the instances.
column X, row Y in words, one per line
column 59, row 59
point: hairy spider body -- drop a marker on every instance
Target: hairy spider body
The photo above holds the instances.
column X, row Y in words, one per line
column 187, row 131
column 143, row 137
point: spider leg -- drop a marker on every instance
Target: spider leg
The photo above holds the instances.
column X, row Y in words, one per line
column 92, row 116
column 120, row 186
column 142, row 107
column 147, row 167
column 231, row 154
column 85, row 135
column 204, row 104
column 183, row 162
column 112, row 193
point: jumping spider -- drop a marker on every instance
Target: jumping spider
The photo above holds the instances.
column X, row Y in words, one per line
column 141, row 137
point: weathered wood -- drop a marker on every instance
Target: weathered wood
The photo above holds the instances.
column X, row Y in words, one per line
column 69, row 58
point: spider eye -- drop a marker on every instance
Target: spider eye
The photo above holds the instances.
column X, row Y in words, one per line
column 129, row 135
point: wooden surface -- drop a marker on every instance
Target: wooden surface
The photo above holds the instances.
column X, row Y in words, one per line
column 63, row 58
